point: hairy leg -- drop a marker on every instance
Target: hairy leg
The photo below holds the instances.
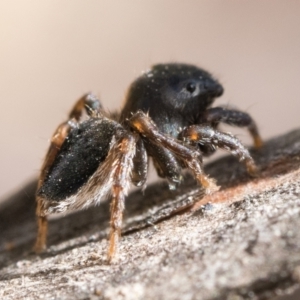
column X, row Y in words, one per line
column 143, row 125
column 140, row 162
column 217, row 115
column 93, row 107
column 165, row 163
column 206, row 135
column 124, row 154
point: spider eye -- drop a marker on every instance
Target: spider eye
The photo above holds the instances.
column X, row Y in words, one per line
column 191, row 87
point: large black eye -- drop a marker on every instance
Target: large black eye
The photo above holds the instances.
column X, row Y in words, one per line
column 191, row 87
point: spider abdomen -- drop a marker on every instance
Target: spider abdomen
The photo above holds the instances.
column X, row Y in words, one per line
column 82, row 152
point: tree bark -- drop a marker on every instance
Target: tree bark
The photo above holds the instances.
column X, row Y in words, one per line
column 242, row 242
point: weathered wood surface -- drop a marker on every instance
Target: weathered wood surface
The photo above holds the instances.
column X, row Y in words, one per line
column 242, row 242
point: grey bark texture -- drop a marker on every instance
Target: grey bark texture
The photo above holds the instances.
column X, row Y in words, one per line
column 242, row 242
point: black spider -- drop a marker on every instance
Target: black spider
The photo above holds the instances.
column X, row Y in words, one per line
column 167, row 116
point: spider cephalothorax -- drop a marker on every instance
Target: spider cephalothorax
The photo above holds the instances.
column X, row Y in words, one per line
column 167, row 116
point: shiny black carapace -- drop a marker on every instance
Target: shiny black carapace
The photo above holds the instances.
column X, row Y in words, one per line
column 167, row 116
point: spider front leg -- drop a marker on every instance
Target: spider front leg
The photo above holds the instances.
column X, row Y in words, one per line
column 93, row 107
column 143, row 125
column 217, row 115
column 208, row 136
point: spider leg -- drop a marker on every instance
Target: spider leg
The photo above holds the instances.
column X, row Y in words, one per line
column 89, row 103
column 123, row 165
column 56, row 141
column 206, row 135
column 217, row 115
column 93, row 107
column 165, row 163
column 143, row 125
column 140, row 163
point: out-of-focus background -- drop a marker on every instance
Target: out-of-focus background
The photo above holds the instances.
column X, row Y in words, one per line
column 53, row 51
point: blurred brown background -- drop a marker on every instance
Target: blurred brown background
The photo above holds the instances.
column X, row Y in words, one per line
column 51, row 52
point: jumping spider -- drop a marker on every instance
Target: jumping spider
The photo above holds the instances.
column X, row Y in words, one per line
column 167, row 116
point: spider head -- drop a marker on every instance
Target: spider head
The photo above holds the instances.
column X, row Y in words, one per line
column 172, row 89
column 186, row 87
